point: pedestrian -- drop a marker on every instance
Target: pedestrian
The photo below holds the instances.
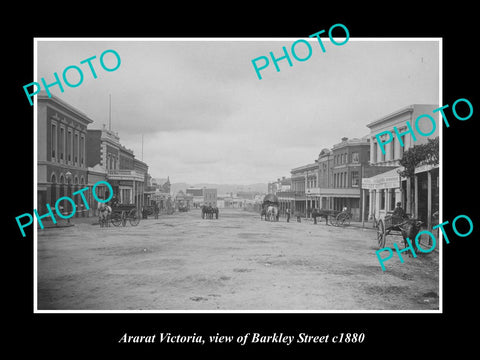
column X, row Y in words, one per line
column 288, row 215
column 314, row 215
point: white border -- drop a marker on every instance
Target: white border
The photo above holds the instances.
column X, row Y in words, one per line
column 35, row 177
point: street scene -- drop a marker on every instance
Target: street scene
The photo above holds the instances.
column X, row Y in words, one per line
column 238, row 262
column 179, row 180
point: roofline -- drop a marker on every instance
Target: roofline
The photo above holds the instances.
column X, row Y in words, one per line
column 351, row 142
column 304, row 167
column 140, row 161
column 43, row 96
column 405, row 109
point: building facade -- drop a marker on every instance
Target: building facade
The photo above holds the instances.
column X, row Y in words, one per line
column 350, row 158
column 210, row 197
column 197, row 196
column 333, row 181
column 419, row 195
column 183, row 200
column 61, row 154
column 125, row 173
column 298, row 192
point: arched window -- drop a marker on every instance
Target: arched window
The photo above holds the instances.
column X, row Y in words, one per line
column 75, row 180
column 82, row 181
column 53, row 179
column 62, row 179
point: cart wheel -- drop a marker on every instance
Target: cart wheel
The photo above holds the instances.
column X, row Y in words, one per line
column 381, row 235
column 347, row 219
column 133, row 217
column 343, row 219
column 339, row 219
column 116, row 218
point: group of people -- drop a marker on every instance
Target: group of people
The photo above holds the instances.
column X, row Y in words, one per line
column 209, row 212
column 288, row 213
column 314, row 213
column 156, row 211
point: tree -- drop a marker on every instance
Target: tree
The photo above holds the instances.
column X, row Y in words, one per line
column 424, row 154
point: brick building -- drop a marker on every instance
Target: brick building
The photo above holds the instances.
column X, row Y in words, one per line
column 126, row 174
column 210, row 197
column 61, row 154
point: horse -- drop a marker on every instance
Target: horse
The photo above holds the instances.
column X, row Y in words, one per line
column 263, row 213
column 321, row 214
column 272, row 213
column 410, row 229
column 317, row 214
column 104, row 212
column 209, row 211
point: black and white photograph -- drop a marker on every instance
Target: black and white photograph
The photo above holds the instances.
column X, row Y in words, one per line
column 217, row 181
column 211, row 184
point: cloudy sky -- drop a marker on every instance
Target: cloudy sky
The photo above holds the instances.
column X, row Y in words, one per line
column 206, row 117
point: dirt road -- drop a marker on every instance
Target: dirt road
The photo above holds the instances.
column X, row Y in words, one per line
column 181, row 262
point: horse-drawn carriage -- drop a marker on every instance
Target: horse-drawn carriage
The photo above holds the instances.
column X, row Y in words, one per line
column 270, row 208
column 123, row 212
column 182, row 208
column 147, row 211
column 392, row 224
column 337, row 218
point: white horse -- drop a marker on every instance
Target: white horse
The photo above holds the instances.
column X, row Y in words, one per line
column 272, row 213
column 104, row 212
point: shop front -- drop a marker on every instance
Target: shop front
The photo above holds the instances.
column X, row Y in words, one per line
column 127, row 186
column 426, row 194
column 380, row 194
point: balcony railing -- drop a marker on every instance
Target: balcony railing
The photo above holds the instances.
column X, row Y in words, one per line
column 121, row 172
column 290, row 193
column 125, row 174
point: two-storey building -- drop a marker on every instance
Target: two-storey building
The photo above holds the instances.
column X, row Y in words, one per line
column 419, row 195
column 125, row 174
column 61, row 154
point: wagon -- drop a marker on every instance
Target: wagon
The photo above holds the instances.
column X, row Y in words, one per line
column 122, row 212
column 337, row 218
column 147, row 211
column 270, row 200
column 182, row 208
column 390, row 225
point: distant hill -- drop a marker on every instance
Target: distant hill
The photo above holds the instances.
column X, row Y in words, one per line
column 221, row 188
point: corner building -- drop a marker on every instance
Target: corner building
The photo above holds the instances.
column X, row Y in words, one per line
column 61, row 154
column 419, row 195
